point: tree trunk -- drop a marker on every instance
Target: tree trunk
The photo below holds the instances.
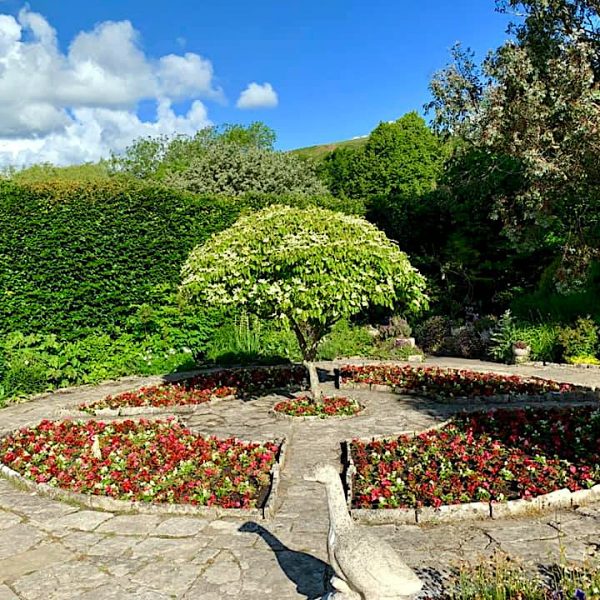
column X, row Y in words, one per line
column 315, row 388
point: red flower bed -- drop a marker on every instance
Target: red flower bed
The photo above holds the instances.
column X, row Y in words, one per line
column 304, row 406
column 150, row 461
column 449, row 383
column 500, row 455
column 204, row 387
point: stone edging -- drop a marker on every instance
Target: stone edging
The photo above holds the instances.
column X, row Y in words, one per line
column 566, row 366
column 105, row 503
column 449, row 513
column 580, row 394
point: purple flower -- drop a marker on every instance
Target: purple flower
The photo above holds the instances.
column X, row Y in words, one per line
column 579, row 594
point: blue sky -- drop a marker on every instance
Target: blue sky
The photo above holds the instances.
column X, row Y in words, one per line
column 336, row 67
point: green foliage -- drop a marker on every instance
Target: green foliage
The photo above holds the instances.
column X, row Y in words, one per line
column 246, row 339
column 156, row 157
column 78, row 256
column 548, row 304
column 231, row 161
column 396, row 327
column 535, row 100
column 345, row 340
column 580, row 340
column 322, row 151
column 502, row 578
column 502, row 338
column 37, row 363
column 402, row 158
column 44, row 172
column 542, row 338
column 310, row 267
column 432, row 333
column 232, row 170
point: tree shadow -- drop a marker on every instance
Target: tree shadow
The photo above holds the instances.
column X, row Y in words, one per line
column 309, row 574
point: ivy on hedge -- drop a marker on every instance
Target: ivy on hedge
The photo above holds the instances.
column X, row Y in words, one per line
column 76, row 256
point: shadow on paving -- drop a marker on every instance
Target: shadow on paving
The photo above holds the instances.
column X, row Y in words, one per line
column 309, row 574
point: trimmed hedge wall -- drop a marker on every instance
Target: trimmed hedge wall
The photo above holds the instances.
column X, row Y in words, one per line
column 77, row 256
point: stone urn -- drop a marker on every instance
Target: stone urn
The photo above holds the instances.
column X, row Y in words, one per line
column 521, row 351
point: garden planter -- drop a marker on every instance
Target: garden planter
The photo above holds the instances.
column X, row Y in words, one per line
column 521, row 353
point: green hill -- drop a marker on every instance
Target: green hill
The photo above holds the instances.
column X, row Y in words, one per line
column 318, row 152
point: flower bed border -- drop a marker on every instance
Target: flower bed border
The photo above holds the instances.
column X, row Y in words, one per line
column 107, row 504
column 449, row 513
column 179, row 378
column 579, row 393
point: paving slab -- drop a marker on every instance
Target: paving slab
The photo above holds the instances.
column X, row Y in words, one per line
column 55, row 551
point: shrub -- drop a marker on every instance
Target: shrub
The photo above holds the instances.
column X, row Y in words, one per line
column 432, row 333
column 76, row 256
column 466, row 342
column 345, row 340
column 580, row 340
column 233, row 170
column 36, row 363
column 397, row 327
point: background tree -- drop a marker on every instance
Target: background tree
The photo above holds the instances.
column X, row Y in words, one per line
column 156, row 157
column 308, row 267
column 536, row 101
column 232, row 170
column 401, row 158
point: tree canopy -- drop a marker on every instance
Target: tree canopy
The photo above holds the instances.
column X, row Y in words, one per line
column 534, row 106
column 310, row 267
column 403, row 157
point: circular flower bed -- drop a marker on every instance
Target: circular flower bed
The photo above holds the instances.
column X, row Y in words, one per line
column 449, row 383
column 305, row 406
column 205, row 387
column 149, row 461
column 159, row 396
column 494, row 456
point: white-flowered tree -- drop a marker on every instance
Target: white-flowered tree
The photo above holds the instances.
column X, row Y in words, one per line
column 309, row 267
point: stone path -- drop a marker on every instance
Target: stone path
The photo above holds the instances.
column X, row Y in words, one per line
column 51, row 550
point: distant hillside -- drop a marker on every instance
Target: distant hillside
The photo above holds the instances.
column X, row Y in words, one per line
column 318, row 152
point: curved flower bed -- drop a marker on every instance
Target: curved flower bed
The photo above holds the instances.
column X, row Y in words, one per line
column 449, row 383
column 205, row 387
column 147, row 461
column 159, row 396
column 304, row 406
column 494, row 456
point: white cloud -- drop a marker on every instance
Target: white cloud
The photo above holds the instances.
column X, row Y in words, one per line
column 258, row 96
column 80, row 104
column 92, row 133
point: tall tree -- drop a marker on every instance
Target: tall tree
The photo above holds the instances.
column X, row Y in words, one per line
column 534, row 106
column 403, row 157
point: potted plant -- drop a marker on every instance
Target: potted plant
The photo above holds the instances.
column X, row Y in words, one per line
column 521, row 351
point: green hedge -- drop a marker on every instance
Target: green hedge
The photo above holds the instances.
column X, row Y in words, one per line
column 77, row 256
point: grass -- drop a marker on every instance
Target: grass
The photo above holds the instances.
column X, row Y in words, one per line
column 320, row 151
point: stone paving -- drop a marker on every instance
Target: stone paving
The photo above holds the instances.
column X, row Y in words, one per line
column 52, row 550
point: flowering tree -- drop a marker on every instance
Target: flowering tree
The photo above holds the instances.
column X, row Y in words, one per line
column 309, row 267
column 533, row 109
